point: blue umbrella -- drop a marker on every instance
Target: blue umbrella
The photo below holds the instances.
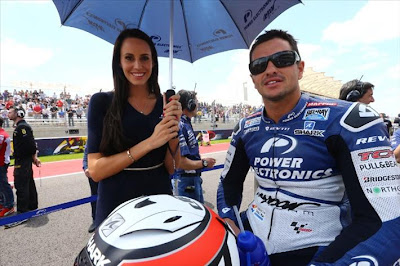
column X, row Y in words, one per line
column 199, row 28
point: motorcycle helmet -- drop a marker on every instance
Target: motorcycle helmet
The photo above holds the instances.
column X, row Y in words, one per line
column 161, row 230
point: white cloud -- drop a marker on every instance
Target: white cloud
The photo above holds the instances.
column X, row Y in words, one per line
column 394, row 72
column 370, row 53
column 386, row 103
column 311, row 54
column 234, row 83
column 94, row 84
column 368, row 66
column 377, row 21
column 321, row 63
column 20, row 55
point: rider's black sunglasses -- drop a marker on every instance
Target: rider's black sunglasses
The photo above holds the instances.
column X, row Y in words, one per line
column 280, row 59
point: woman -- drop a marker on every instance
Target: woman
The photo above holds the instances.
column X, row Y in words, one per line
column 129, row 129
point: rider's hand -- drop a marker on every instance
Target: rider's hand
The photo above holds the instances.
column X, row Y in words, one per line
column 233, row 226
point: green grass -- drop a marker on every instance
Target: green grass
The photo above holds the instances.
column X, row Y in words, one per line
column 219, row 141
column 62, row 157
column 54, row 158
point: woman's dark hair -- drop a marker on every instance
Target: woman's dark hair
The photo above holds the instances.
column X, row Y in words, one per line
column 113, row 140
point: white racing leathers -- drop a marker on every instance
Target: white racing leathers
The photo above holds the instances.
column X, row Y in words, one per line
column 327, row 177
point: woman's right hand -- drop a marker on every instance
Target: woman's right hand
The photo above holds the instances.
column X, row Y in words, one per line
column 173, row 107
column 164, row 131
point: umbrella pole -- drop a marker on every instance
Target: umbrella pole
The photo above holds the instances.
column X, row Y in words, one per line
column 171, row 42
column 171, row 58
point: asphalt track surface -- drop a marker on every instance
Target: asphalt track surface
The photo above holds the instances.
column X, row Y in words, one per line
column 57, row 238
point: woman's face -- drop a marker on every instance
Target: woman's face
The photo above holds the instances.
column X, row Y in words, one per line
column 136, row 61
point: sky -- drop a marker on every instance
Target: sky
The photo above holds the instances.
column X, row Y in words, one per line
column 345, row 39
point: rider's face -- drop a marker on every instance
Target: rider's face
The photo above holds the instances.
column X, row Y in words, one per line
column 276, row 84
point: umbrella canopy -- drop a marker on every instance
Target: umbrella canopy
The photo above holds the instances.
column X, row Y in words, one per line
column 197, row 28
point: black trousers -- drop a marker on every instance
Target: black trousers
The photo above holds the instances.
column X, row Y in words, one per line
column 93, row 191
column 27, row 198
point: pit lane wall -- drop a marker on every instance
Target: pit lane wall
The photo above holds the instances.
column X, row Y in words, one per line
column 76, row 144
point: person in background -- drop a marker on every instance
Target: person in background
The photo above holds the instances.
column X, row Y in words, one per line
column 37, row 110
column 320, row 199
column 79, row 111
column 60, row 103
column 70, row 113
column 93, row 189
column 396, row 144
column 25, row 154
column 387, row 122
column 4, row 115
column 188, row 172
column 357, row 91
column 9, row 103
column 46, row 112
column 6, row 193
column 61, row 113
column 53, row 111
column 131, row 128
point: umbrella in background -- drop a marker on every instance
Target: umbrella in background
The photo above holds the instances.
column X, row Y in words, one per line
column 194, row 28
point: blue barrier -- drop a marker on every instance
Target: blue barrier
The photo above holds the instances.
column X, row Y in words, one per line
column 44, row 211
column 62, row 206
column 214, row 168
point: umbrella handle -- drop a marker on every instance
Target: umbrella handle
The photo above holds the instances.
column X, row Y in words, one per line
column 171, row 42
column 168, row 94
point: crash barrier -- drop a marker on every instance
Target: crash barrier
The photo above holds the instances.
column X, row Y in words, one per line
column 40, row 212
column 76, row 144
column 62, row 206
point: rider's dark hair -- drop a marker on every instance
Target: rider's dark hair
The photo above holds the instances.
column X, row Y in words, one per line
column 272, row 34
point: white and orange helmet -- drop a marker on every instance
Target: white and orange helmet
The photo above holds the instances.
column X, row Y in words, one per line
column 161, row 230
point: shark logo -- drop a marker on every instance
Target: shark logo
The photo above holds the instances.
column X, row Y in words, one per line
column 112, row 224
column 309, row 125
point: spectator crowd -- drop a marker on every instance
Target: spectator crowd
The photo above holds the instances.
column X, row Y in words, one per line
column 38, row 105
column 217, row 112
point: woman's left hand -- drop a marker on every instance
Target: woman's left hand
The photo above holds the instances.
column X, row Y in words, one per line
column 173, row 107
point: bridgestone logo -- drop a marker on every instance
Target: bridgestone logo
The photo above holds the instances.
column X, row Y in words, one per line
column 381, row 178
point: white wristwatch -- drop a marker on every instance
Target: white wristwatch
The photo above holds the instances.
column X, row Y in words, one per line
column 204, row 163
